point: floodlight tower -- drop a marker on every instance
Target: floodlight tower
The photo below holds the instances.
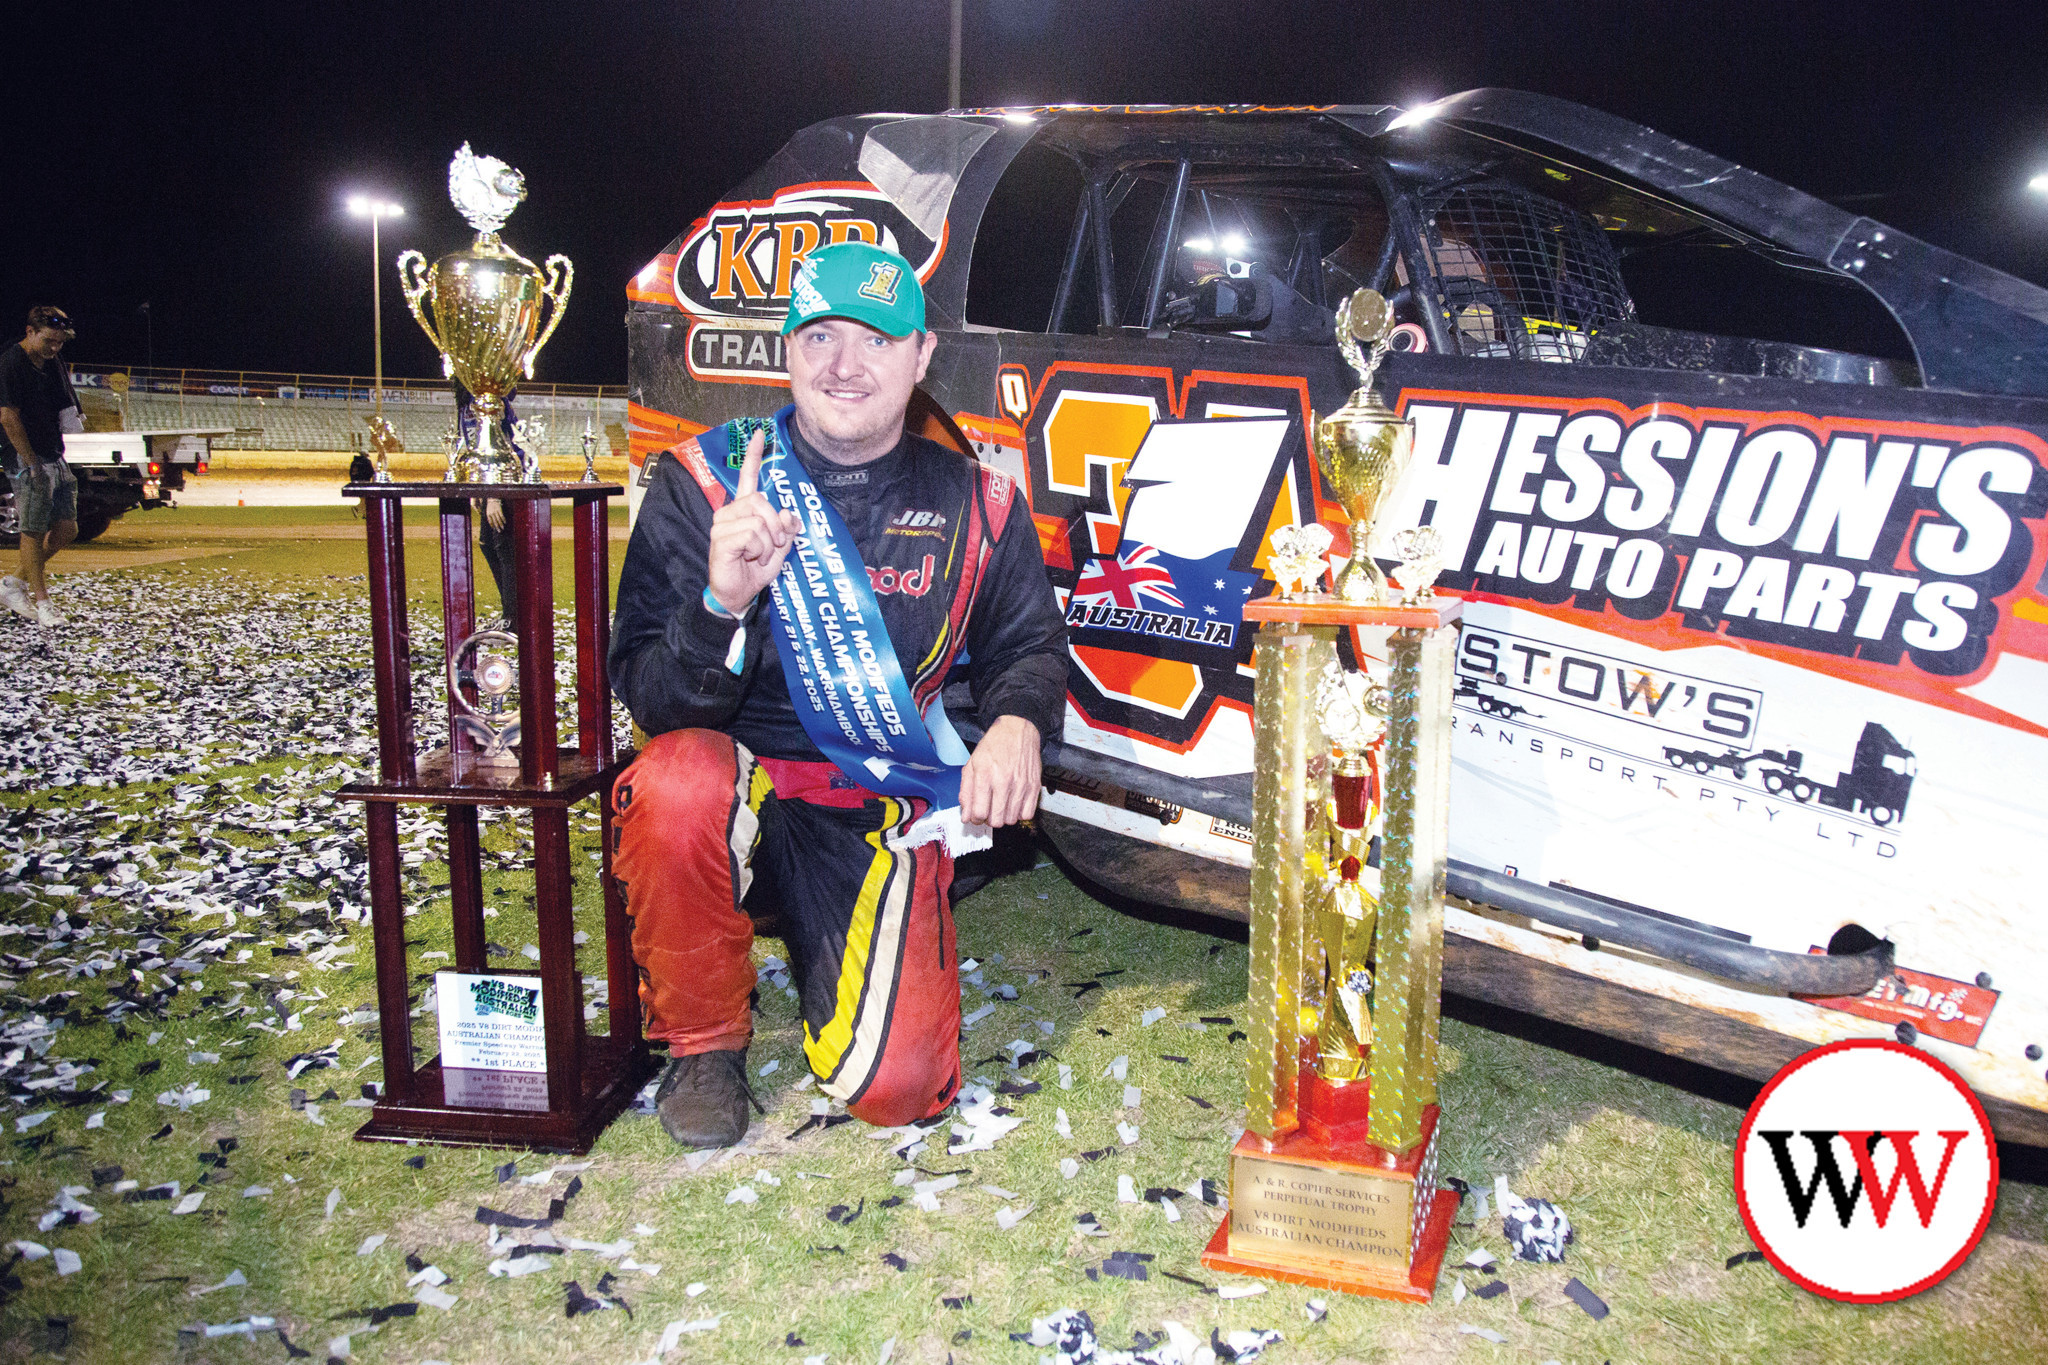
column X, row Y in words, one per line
column 376, row 210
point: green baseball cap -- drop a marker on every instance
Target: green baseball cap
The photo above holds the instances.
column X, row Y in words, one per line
column 859, row 281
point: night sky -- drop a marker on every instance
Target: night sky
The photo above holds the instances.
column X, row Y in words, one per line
column 197, row 157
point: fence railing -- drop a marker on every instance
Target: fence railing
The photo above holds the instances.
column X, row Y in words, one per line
column 277, row 411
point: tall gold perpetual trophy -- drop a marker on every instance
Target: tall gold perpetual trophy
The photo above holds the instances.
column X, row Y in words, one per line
column 486, row 301
column 1334, row 1182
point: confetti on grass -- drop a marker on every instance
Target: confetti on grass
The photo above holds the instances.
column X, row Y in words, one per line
column 1595, row 1306
column 1536, row 1228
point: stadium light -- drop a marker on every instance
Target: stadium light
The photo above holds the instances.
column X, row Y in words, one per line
column 2039, row 184
column 376, row 210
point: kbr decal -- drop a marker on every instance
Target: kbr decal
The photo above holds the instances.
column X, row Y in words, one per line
column 741, row 259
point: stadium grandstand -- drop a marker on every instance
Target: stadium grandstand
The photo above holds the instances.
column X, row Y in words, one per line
column 321, row 412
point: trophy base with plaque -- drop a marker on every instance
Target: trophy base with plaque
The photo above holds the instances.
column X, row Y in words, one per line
column 1336, row 1212
column 547, row 1080
column 1334, row 1183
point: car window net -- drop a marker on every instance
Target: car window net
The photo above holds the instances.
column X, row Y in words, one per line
column 1520, row 276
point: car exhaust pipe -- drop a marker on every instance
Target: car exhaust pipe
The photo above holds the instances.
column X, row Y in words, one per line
column 1597, row 921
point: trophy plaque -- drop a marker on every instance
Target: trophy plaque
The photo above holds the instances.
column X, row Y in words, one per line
column 486, row 304
column 1334, row 1182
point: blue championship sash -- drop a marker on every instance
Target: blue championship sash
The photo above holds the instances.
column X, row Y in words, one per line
column 844, row 678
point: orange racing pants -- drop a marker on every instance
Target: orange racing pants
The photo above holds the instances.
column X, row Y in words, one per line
column 869, row 927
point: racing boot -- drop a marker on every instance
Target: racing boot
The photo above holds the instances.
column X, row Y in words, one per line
column 703, row 1098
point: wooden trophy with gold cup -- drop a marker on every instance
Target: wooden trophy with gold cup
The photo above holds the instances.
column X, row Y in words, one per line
column 1334, row 1182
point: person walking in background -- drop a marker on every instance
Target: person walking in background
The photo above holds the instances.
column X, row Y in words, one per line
column 37, row 406
column 496, row 541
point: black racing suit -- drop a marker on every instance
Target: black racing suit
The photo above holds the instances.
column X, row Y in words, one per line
column 951, row 572
column 730, row 784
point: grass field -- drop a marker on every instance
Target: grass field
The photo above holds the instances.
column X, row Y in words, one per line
column 216, row 702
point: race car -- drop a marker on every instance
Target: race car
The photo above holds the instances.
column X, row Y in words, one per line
column 1722, row 471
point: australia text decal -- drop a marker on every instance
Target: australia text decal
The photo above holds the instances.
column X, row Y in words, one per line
column 1168, row 489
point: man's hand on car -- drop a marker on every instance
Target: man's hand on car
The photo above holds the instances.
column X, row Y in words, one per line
column 999, row 786
column 749, row 538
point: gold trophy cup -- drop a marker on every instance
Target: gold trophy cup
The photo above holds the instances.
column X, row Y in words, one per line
column 486, row 304
column 1363, row 447
column 1334, row 1182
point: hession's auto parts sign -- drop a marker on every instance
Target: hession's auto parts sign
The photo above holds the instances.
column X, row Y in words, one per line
column 1774, row 670
column 1885, row 544
column 1768, row 669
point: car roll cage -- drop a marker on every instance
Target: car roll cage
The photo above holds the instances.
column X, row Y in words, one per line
column 1971, row 328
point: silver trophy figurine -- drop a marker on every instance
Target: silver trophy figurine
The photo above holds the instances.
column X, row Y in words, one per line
column 486, row 661
column 458, row 455
column 589, row 452
column 529, row 434
column 1297, row 562
column 1421, row 552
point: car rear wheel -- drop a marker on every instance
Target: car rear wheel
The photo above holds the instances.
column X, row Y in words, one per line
column 93, row 525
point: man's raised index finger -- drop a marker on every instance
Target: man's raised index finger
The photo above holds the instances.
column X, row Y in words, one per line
column 750, row 465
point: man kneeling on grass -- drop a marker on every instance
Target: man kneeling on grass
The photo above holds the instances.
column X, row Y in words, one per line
column 798, row 731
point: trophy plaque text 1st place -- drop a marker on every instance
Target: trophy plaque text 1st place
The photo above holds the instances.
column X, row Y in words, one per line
column 1334, row 1182
column 503, row 750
